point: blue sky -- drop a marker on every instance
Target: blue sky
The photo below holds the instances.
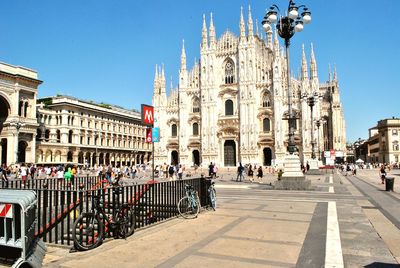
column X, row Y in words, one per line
column 106, row 50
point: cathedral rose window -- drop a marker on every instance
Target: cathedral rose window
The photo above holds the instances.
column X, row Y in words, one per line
column 229, row 72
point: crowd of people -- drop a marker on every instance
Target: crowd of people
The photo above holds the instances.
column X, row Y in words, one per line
column 249, row 172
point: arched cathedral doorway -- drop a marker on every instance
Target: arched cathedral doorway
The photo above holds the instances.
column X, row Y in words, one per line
column 229, row 153
column 267, row 159
column 174, row 158
column 196, row 157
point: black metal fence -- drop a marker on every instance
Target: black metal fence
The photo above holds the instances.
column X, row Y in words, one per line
column 59, row 204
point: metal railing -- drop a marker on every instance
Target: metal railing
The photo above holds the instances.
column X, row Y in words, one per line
column 59, row 204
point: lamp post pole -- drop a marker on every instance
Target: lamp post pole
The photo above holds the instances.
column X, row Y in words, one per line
column 318, row 124
column 286, row 26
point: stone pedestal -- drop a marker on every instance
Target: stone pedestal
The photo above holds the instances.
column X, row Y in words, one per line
column 313, row 164
column 292, row 167
column 292, row 178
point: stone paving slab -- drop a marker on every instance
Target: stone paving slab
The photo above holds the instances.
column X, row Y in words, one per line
column 255, row 227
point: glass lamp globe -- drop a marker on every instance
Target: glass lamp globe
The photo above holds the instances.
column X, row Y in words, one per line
column 272, row 18
column 299, row 26
column 293, row 13
column 306, row 18
column 266, row 27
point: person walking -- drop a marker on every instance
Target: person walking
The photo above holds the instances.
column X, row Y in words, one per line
column 382, row 173
column 259, row 174
column 250, row 173
column 3, row 174
column 211, row 170
column 180, row 172
column 240, row 170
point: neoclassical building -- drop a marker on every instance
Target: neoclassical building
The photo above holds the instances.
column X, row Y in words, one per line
column 77, row 131
column 18, row 124
column 64, row 129
column 231, row 105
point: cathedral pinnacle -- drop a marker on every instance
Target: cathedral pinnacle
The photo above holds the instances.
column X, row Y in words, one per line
column 250, row 24
column 242, row 29
column 304, row 71
column 204, row 42
column 313, row 64
column 156, row 74
column 183, row 56
column 213, row 41
column 334, row 74
column 257, row 33
column 162, row 73
column 330, row 73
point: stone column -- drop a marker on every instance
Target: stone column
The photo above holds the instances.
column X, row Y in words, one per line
column 33, row 149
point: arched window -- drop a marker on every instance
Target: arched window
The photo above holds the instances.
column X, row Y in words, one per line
column 20, row 108
column 195, row 129
column 395, row 146
column 266, row 125
column 47, row 135
column 58, row 136
column 228, row 107
column 26, row 109
column 174, row 130
column 196, row 106
column 266, row 101
column 70, row 136
column 38, row 134
column 229, row 72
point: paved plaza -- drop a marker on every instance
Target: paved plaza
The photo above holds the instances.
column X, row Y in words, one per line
column 347, row 221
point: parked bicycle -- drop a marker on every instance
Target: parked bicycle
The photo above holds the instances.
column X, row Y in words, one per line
column 212, row 195
column 89, row 229
column 189, row 205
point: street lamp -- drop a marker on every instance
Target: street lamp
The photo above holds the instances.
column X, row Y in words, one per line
column 287, row 26
column 311, row 100
column 318, row 123
column 17, row 124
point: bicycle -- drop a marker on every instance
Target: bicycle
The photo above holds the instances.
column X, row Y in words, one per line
column 212, row 195
column 89, row 229
column 189, row 205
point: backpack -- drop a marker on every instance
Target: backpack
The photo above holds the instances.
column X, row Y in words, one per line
column 171, row 169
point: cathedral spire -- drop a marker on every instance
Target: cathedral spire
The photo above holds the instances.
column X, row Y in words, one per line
column 171, row 85
column 304, row 68
column 257, row 33
column 242, row 29
column 276, row 43
column 313, row 64
column 330, row 73
column 334, row 74
column 213, row 41
column 204, row 40
column 162, row 73
column 250, row 24
column 183, row 56
column 156, row 74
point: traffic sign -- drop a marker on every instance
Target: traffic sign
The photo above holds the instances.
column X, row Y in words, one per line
column 156, row 134
column 149, row 136
column 147, row 115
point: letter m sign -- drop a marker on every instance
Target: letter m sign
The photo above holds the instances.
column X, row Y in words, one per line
column 147, row 115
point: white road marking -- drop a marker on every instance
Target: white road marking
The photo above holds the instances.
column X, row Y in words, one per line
column 231, row 186
column 333, row 251
column 331, row 178
column 331, row 189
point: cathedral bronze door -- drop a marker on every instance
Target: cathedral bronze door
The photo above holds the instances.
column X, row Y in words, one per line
column 229, row 153
column 174, row 158
column 196, row 157
column 267, row 156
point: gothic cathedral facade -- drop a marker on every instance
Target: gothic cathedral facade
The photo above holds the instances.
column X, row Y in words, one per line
column 231, row 106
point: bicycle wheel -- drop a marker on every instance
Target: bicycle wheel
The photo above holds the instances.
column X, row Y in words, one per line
column 213, row 197
column 127, row 222
column 188, row 208
column 87, row 231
